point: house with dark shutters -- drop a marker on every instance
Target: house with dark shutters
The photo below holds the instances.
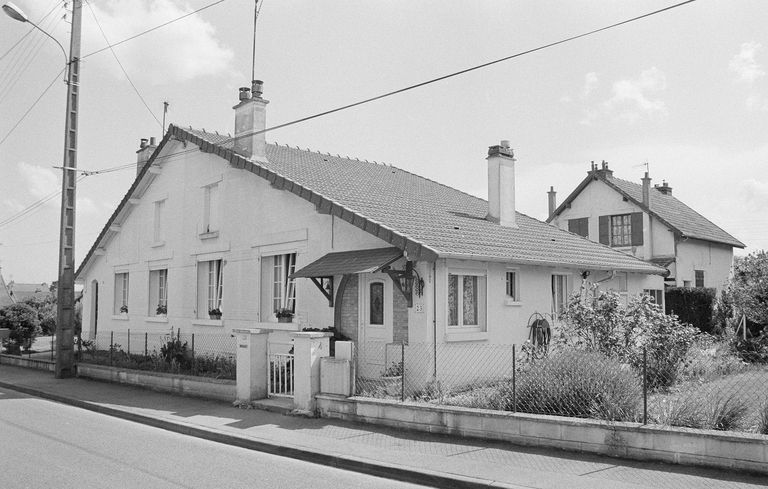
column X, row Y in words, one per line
column 650, row 223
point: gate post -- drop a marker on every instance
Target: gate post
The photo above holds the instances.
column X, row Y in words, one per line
column 252, row 363
column 308, row 349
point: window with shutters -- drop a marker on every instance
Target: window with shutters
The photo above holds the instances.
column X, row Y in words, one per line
column 579, row 226
column 622, row 229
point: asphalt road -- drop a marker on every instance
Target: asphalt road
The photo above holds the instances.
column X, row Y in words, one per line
column 44, row 444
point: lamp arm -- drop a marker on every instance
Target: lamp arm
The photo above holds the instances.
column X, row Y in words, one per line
column 63, row 51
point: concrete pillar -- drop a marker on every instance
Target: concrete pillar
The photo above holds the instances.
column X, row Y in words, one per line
column 252, row 363
column 337, row 374
column 308, row 349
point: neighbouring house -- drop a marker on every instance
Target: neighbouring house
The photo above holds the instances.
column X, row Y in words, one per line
column 21, row 292
column 649, row 223
column 219, row 233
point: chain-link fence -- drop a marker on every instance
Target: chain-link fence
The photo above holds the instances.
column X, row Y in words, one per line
column 710, row 386
column 205, row 355
column 42, row 347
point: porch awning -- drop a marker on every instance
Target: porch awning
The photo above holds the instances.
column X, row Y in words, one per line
column 344, row 262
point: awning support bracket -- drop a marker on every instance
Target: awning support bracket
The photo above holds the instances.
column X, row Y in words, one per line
column 325, row 284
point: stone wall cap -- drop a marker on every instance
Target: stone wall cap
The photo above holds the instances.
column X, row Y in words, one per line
column 250, row 330
column 311, row 334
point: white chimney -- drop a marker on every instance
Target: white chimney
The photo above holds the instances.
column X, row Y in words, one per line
column 146, row 148
column 501, row 184
column 250, row 117
column 552, row 195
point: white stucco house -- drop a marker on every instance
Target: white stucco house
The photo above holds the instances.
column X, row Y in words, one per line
column 649, row 223
column 247, row 228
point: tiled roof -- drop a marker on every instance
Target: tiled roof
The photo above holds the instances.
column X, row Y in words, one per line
column 21, row 292
column 440, row 218
column 686, row 220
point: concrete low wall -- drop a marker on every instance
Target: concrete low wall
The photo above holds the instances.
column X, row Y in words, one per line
column 743, row 451
column 27, row 362
column 223, row 390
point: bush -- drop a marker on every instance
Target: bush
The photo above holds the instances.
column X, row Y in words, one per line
column 752, row 350
column 692, row 305
column 580, row 384
column 709, row 410
column 709, row 358
column 24, row 324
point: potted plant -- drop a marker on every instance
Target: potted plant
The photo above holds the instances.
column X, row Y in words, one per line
column 161, row 310
column 393, row 378
column 124, row 309
column 284, row 315
column 215, row 313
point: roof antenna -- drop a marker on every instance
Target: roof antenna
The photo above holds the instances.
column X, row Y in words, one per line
column 256, row 11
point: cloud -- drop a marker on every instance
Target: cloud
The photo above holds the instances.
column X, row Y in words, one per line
column 630, row 100
column 744, row 65
column 40, row 182
column 590, row 82
column 757, row 103
column 177, row 52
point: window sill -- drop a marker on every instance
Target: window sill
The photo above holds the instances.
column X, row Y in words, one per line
column 208, row 322
column 120, row 317
column 157, row 244
column 512, row 302
column 156, row 319
column 452, row 336
column 209, row 235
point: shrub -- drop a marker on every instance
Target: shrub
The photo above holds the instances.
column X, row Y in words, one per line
column 709, row 358
column 24, row 324
column 762, row 422
column 580, row 384
column 752, row 350
column 692, row 305
column 175, row 352
column 710, row 410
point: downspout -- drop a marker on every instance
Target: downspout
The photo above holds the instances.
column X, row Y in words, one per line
column 597, row 283
column 434, row 319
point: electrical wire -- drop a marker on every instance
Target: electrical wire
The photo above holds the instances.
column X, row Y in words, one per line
column 152, row 29
column 98, row 24
column 33, row 207
column 55, row 79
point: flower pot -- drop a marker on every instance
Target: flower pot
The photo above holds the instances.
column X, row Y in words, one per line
column 217, row 317
column 284, row 320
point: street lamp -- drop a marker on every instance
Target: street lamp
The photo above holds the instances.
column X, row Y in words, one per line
column 65, row 307
column 16, row 13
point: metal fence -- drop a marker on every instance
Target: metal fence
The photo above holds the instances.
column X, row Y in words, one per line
column 709, row 387
column 206, row 355
column 41, row 348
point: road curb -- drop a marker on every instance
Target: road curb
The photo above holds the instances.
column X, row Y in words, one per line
column 364, row 466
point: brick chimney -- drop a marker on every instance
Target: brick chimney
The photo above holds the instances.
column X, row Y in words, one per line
column 146, row 148
column 664, row 188
column 250, row 117
column 552, row 198
column 646, row 190
column 501, row 184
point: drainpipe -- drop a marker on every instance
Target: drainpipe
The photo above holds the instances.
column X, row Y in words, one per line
column 597, row 283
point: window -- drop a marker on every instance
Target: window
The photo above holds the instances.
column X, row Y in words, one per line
column 579, row 226
column 559, row 294
column 158, row 292
column 159, row 213
column 656, row 294
column 121, row 293
column 211, row 208
column 277, row 290
column 466, row 301
column 621, row 229
column 210, row 287
column 699, row 277
column 376, row 301
column 512, row 287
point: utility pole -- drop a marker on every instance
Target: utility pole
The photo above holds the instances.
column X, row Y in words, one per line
column 65, row 309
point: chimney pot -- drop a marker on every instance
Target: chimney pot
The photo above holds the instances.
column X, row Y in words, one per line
column 245, row 93
column 257, row 88
column 152, row 141
column 143, row 143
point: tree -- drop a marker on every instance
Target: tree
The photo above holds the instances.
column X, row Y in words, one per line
column 748, row 290
column 24, row 324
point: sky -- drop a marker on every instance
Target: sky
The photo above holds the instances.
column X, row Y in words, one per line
column 685, row 91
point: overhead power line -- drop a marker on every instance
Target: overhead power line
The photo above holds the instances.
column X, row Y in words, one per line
column 104, row 35
column 110, row 46
column 55, row 79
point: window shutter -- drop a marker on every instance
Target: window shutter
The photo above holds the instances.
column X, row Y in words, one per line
column 637, row 228
column 603, row 225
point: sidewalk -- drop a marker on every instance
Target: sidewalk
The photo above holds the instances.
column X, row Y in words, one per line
column 424, row 458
